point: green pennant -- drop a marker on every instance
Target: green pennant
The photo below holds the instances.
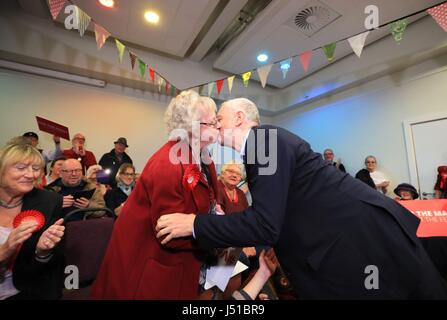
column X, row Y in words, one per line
column 329, row 51
column 142, row 66
column 120, row 48
column 172, row 91
column 398, row 28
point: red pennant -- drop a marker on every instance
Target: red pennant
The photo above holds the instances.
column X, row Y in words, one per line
column 219, row 84
column 305, row 59
column 56, row 7
column 439, row 13
column 152, row 73
column 133, row 58
column 167, row 87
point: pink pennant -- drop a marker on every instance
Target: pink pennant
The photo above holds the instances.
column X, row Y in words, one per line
column 56, row 7
column 305, row 59
column 101, row 35
column 219, row 84
column 439, row 13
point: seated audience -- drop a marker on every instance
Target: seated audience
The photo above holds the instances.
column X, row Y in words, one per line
column 55, row 169
column 115, row 158
column 328, row 155
column 125, row 182
column 91, row 177
column 71, row 182
column 87, row 158
column 31, row 262
column 372, row 177
column 441, row 183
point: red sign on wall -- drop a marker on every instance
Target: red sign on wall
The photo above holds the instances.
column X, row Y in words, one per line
column 433, row 215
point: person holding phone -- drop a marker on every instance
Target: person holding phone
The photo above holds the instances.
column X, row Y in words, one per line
column 78, row 151
column 71, row 183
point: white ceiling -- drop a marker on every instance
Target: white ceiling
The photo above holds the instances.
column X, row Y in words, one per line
column 189, row 28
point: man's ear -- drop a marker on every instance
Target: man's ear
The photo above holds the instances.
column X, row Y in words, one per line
column 240, row 118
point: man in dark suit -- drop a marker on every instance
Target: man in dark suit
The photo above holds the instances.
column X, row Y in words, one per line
column 335, row 237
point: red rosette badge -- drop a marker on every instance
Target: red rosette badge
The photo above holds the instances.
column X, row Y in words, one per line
column 30, row 215
column 191, row 177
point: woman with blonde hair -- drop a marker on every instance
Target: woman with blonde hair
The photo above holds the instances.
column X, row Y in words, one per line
column 179, row 177
column 125, row 182
column 31, row 262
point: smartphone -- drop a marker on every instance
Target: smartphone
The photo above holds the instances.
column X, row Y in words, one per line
column 103, row 176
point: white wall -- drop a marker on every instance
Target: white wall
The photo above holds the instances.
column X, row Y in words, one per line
column 100, row 114
column 368, row 119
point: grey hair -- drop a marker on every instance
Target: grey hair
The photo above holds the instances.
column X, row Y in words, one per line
column 234, row 163
column 370, row 156
column 181, row 112
column 246, row 106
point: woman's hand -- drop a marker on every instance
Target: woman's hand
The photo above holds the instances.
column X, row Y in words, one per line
column 50, row 238
column 17, row 236
column 268, row 262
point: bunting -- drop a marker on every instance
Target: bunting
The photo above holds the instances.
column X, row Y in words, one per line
column 329, row 51
column 83, row 21
column 142, row 67
column 358, row 42
column 219, row 84
column 133, row 59
column 56, row 7
column 246, row 77
column 439, row 13
column 172, row 92
column 160, row 82
column 210, row 88
column 101, row 35
column 152, row 74
column 263, row 73
column 230, row 83
column 120, row 48
column 285, row 66
column 397, row 29
column 305, row 60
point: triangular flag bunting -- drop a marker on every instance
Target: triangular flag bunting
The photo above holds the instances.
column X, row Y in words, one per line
column 101, row 35
column 152, row 74
column 172, row 92
column 133, row 58
column 230, row 83
column 83, row 21
column 55, row 7
column 329, row 51
column 120, row 48
column 398, row 28
column 167, row 87
column 263, row 73
column 160, row 82
column 285, row 66
column 142, row 66
column 210, row 88
column 358, row 42
column 219, row 84
column 439, row 13
column 246, row 77
column 305, row 59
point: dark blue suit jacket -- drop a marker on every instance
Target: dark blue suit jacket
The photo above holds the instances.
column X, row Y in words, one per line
column 326, row 227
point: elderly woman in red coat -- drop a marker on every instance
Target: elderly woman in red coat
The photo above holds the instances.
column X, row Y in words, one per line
column 179, row 177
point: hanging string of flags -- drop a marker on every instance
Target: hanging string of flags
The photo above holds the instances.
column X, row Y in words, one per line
column 101, row 35
column 357, row 42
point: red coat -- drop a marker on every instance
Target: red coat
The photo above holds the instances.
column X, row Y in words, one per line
column 87, row 160
column 136, row 265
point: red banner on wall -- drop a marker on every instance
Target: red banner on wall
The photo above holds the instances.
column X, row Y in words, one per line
column 433, row 215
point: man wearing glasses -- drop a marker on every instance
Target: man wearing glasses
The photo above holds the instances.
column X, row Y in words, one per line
column 85, row 157
column 71, row 184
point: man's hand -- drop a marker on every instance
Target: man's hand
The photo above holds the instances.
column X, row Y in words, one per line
column 174, row 225
column 68, row 201
column 82, row 203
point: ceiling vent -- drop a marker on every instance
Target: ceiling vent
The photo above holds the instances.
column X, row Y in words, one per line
column 313, row 17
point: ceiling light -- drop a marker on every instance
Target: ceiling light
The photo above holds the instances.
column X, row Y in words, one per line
column 262, row 57
column 151, row 17
column 107, row 3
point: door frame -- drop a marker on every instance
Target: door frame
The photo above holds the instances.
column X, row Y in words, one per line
column 409, row 143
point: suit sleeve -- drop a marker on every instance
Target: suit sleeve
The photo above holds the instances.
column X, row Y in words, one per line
column 167, row 196
column 261, row 223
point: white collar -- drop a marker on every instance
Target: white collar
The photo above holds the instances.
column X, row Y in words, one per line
column 244, row 144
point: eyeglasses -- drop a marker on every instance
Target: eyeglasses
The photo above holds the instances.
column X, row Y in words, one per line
column 210, row 124
column 128, row 174
column 370, row 162
column 72, row 171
